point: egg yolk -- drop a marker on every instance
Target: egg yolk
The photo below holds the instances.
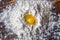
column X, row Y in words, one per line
column 30, row 19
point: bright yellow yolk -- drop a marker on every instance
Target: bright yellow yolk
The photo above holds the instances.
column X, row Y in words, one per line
column 30, row 19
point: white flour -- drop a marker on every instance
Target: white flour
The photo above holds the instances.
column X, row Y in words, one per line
column 13, row 18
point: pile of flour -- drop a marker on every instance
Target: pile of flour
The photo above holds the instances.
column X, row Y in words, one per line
column 12, row 16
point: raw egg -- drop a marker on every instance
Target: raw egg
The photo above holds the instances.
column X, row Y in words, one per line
column 30, row 19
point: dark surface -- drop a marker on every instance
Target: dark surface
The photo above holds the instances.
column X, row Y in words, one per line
column 57, row 7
